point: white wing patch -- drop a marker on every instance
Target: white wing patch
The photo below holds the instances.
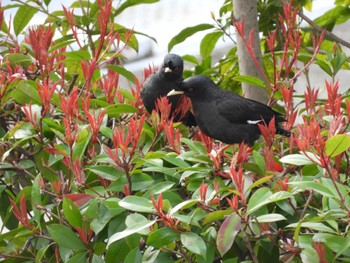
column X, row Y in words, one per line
column 253, row 122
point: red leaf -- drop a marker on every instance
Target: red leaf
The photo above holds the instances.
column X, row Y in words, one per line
column 227, row 233
column 79, row 199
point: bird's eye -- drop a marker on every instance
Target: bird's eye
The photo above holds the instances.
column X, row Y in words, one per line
column 190, row 89
column 176, row 68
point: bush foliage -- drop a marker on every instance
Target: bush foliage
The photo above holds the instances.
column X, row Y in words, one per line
column 86, row 175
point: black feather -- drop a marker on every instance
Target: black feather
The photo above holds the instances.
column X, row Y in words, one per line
column 160, row 83
column 226, row 116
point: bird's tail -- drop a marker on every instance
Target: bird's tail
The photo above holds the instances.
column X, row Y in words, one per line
column 283, row 132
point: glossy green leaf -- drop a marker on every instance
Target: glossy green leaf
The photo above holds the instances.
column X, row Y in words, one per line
column 128, row 3
column 162, row 237
column 134, row 256
column 270, row 218
column 183, row 205
column 23, row 15
column 296, row 159
column 227, row 233
column 260, row 161
column 133, row 219
column 208, row 43
column 65, row 237
column 26, row 93
column 194, row 243
column 337, row 144
column 255, row 81
column 187, row 32
column 122, row 71
column 309, row 255
column 316, row 226
column 216, row 215
column 79, row 257
column 129, row 231
column 324, row 66
column 139, row 182
column 116, row 109
column 82, row 141
column 318, row 187
column 137, row 204
column 72, row 213
column 160, row 188
column 106, row 172
column 41, row 253
column 340, row 245
column 260, row 182
column 264, row 196
column 19, row 59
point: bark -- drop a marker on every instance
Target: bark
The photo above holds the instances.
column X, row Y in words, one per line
column 247, row 10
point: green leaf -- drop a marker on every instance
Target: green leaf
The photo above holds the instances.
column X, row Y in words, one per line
column 227, row 233
column 81, row 144
column 339, row 245
column 309, row 255
column 129, row 3
column 41, row 253
column 260, row 161
column 23, row 15
column 191, row 59
column 129, row 231
column 79, row 257
column 324, row 66
column 18, row 59
column 65, row 237
column 187, row 32
column 137, row 204
column 194, row 243
column 338, row 61
column 133, row 219
column 162, row 237
column 183, row 205
column 264, row 196
column 72, row 213
column 296, row 159
column 106, row 172
column 337, row 144
column 160, row 188
column 116, row 109
column 47, row 2
column 122, row 71
column 208, row 43
column 36, row 199
column 26, row 93
column 134, row 256
column 139, row 182
column 259, row 182
column 216, row 215
column 270, row 218
column 315, row 186
column 313, row 225
column 251, row 80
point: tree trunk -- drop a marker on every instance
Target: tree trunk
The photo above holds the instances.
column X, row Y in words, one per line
column 247, row 10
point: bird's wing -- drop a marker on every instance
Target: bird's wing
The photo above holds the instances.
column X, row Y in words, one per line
column 240, row 110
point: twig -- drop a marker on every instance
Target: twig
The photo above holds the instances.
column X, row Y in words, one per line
column 250, row 248
column 308, row 201
column 320, row 29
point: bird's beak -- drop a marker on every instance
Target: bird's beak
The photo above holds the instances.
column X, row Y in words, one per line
column 175, row 92
column 167, row 70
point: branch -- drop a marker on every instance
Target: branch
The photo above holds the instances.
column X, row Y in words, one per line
column 320, row 29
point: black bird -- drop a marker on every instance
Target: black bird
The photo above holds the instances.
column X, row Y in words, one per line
column 160, row 83
column 224, row 115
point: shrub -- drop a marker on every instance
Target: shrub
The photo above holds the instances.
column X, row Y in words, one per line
column 87, row 175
